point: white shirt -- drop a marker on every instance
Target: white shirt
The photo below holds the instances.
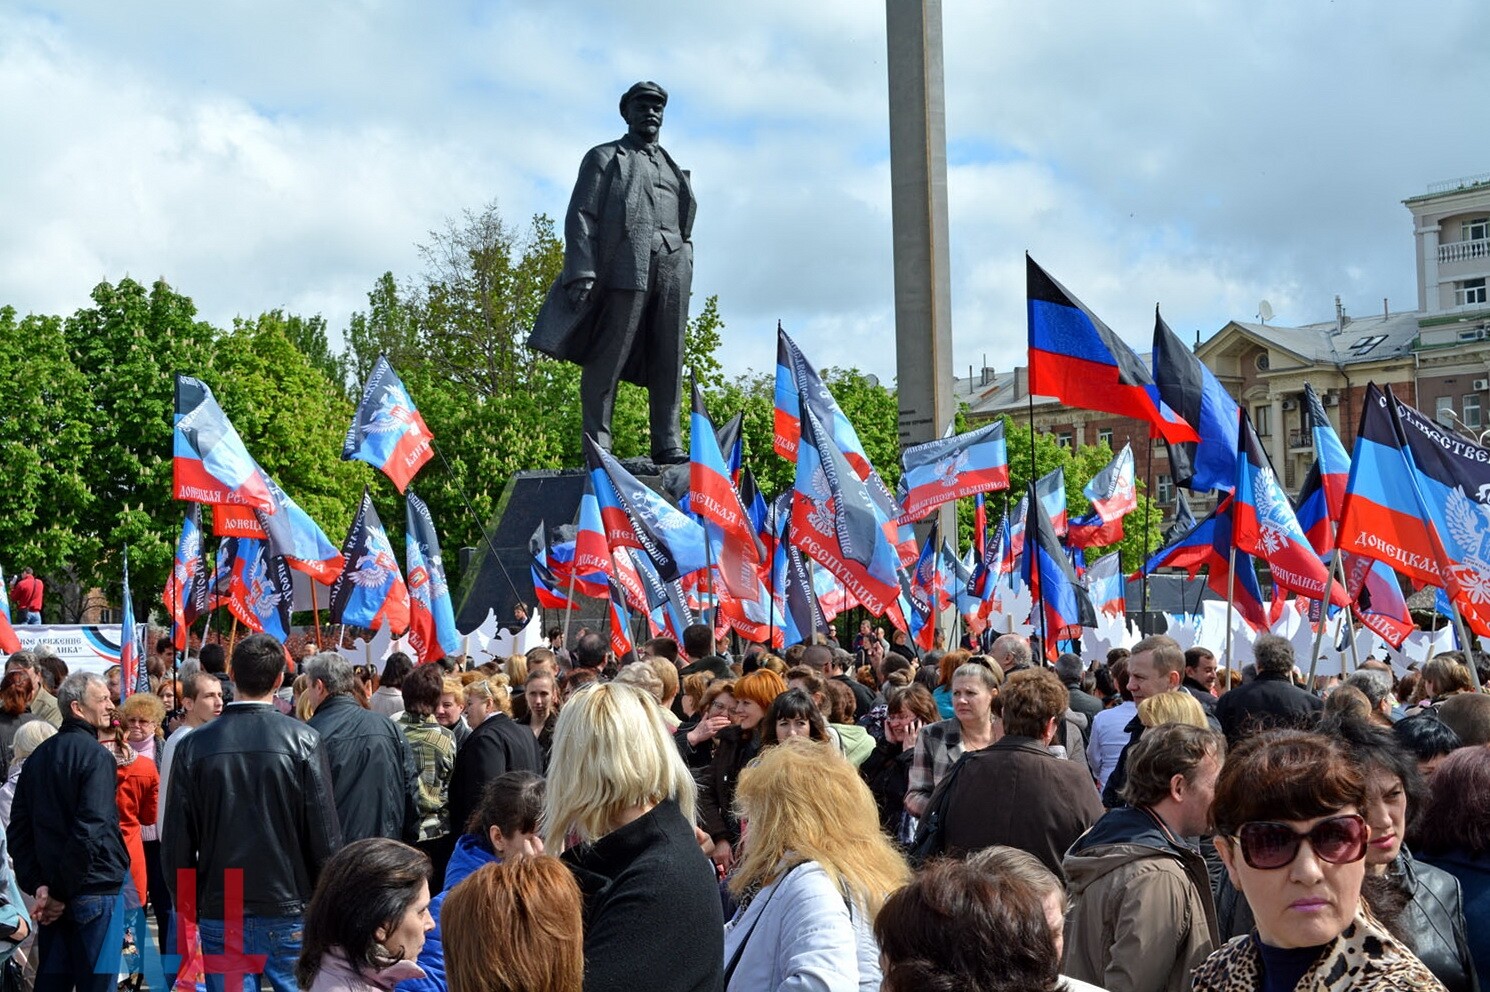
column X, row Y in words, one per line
column 166, row 755
column 1107, row 740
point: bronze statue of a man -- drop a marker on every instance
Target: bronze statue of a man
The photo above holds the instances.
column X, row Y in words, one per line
column 620, row 305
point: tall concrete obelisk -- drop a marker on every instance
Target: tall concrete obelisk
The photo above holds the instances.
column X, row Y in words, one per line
column 918, row 202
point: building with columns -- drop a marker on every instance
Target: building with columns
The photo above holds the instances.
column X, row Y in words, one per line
column 1435, row 357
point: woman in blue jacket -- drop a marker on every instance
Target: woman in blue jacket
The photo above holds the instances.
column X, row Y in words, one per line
column 504, row 826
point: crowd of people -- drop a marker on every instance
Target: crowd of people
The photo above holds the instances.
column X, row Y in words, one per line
column 827, row 818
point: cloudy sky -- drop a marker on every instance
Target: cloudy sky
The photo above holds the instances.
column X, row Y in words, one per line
column 1203, row 155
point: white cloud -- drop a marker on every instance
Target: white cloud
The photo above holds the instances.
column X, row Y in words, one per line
column 1202, row 156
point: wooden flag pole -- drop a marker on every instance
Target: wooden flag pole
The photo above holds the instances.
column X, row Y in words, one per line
column 232, row 636
column 568, row 604
column 315, row 613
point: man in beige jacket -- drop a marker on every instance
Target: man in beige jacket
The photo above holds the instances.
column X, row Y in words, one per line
column 1141, row 916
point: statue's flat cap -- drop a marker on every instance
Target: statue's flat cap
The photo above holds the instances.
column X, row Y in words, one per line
column 638, row 89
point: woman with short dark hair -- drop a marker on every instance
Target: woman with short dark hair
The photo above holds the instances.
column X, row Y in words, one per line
column 1419, row 903
column 887, row 770
column 1428, row 739
column 366, row 923
column 793, row 714
column 1291, row 833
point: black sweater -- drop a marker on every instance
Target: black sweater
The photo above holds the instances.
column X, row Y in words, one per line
column 653, row 918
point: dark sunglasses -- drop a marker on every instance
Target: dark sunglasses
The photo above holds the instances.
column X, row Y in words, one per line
column 1338, row 840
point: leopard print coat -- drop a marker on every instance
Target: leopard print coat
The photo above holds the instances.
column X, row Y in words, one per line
column 1364, row 958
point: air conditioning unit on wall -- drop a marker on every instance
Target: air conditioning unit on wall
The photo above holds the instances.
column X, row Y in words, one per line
column 1290, row 404
column 1331, row 399
column 1480, row 385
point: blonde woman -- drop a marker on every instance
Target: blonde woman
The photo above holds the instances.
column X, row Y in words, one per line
column 497, row 744
column 622, row 802
column 1172, row 707
column 815, row 872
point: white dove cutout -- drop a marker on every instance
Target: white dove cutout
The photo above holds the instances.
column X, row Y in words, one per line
column 1184, row 632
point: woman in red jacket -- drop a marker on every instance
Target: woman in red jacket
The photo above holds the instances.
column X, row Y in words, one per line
column 138, row 794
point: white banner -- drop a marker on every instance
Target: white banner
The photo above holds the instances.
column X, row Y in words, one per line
column 81, row 648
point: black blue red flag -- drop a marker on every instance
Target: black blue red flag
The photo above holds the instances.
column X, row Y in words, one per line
column 592, row 558
column 546, row 588
column 132, row 669
column 187, row 588
column 1091, row 531
column 1188, row 388
column 799, row 385
column 209, row 462
column 1208, row 545
column 1050, row 489
column 1079, row 360
column 1419, row 500
column 950, row 468
column 835, row 521
column 387, row 431
column 1377, row 599
column 261, row 594
column 370, row 591
column 738, row 556
column 1184, row 518
column 1114, row 490
column 1105, row 584
column 1048, row 573
column 1266, row 525
column 980, row 528
column 637, row 517
column 290, row 531
column 620, row 622
column 432, row 630
column 1321, row 499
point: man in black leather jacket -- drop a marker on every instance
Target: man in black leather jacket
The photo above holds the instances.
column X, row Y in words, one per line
column 64, row 836
column 372, row 766
column 251, row 795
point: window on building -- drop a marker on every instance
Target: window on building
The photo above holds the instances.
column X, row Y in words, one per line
column 1468, row 292
column 1472, row 410
column 1475, row 229
column 1063, row 440
column 1164, row 490
column 1443, row 410
column 1364, row 345
column 1262, row 419
column 1104, row 436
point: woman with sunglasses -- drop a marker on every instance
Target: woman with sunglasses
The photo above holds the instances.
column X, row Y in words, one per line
column 1291, row 834
column 1421, row 904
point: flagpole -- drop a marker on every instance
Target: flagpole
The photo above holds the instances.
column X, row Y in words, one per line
column 1465, row 645
column 1355, row 654
column 771, row 587
column 1324, row 616
column 315, row 613
column 568, row 601
column 1148, row 521
column 1230, row 598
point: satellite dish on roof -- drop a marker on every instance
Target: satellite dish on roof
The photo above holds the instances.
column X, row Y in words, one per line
column 1264, row 311
column 872, row 380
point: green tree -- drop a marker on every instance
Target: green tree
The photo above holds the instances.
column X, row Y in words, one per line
column 44, row 450
column 129, row 346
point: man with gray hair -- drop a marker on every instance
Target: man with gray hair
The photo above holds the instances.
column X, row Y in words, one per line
column 1376, row 686
column 1271, row 699
column 68, row 850
column 1011, row 652
column 373, row 773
